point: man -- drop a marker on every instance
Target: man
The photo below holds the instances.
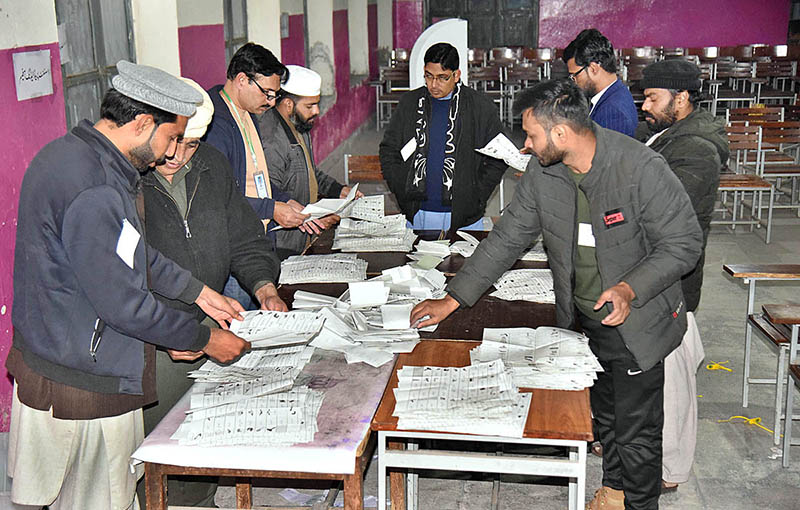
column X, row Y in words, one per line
column 695, row 146
column 253, row 79
column 85, row 320
column 619, row 234
column 428, row 155
column 290, row 157
column 592, row 64
column 197, row 217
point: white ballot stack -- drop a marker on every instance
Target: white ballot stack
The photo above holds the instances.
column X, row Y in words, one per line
column 535, row 285
column 467, row 246
column 333, row 268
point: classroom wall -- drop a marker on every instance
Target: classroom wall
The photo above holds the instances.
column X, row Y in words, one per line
column 28, row 125
column 201, row 41
column 293, row 47
column 408, row 22
column 679, row 23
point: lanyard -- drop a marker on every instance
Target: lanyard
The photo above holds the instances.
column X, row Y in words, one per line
column 244, row 129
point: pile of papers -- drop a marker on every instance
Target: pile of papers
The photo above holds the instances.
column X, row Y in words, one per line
column 478, row 398
column 534, row 285
column 545, row 357
column 375, row 232
column 263, row 328
column 333, row 268
column 327, row 206
column 467, row 247
column 365, row 208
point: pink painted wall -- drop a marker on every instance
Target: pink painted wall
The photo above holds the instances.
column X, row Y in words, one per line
column 407, row 22
column 202, row 51
column 353, row 104
column 372, row 38
column 35, row 122
column 679, row 23
column 293, row 48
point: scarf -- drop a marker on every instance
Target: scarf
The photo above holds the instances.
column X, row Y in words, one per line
column 420, row 160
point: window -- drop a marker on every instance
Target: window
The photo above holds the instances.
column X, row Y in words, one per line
column 235, row 26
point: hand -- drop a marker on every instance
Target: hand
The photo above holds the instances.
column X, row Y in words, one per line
column 218, row 307
column 346, row 191
column 184, row 355
column 267, row 295
column 620, row 296
column 437, row 310
column 224, row 346
column 311, row 227
column 287, row 215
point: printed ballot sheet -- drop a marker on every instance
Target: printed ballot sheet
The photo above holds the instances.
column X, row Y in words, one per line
column 500, row 147
column 466, row 247
column 394, row 225
column 535, row 285
column 262, row 363
column 327, row 206
column 370, row 208
column 264, row 328
column 333, row 268
column 401, row 241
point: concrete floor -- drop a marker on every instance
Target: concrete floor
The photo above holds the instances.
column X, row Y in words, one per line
column 735, row 464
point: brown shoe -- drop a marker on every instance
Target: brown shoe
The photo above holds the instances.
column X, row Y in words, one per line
column 606, row 498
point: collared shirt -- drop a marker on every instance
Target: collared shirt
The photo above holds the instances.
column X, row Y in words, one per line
column 653, row 138
column 596, row 97
column 177, row 188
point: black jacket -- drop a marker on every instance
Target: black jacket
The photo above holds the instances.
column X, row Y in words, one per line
column 226, row 234
column 695, row 148
column 476, row 175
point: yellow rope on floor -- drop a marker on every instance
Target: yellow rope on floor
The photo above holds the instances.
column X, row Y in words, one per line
column 749, row 421
column 718, row 366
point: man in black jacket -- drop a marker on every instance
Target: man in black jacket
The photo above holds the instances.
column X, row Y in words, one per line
column 428, row 153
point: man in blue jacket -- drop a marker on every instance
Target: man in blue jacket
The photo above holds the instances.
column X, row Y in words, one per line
column 592, row 66
column 86, row 321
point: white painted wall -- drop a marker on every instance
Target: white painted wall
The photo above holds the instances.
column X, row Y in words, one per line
column 358, row 34
column 385, row 35
column 292, row 6
column 27, row 23
column 320, row 42
column 264, row 24
column 200, row 12
column 155, row 32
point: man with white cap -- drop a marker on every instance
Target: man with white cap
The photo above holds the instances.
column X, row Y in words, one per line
column 197, row 217
column 290, row 157
column 85, row 320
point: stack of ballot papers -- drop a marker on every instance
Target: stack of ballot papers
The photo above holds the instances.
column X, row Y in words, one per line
column 535, row 285
column 365, row 208
column 387, row 234
column 500, row 147
column 333, row 268
column 480, row 398
column 263, row 328
column 545, row 357
column 327, row 206
column 467, row 247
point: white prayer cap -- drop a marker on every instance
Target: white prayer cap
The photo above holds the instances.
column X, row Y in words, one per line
column 196, row 127
column 302, row 81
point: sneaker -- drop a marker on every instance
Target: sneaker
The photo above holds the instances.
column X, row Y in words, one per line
column 606, row 498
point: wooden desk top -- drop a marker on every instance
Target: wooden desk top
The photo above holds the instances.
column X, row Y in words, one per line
column 783, row 314
column 553, row 414
column 771, row 271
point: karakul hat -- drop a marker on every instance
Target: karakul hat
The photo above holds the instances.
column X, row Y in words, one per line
column 671, row 74
column 196, row 127
column 302, row 81
column 156, row 87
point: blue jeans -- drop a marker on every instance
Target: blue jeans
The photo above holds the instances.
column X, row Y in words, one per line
column 234, row 290
column 434, row 220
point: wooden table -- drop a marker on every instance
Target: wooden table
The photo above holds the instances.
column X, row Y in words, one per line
column 788, row 314
column 556, row 418
column 750, row 273
column 741, row 184
column 339, row 450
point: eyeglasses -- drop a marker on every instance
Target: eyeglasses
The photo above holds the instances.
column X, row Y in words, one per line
column 573, row 76
column 271, row 96
column 442, row 78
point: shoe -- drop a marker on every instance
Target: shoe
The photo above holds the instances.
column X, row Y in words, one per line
column 606, row 498
column 668, row 486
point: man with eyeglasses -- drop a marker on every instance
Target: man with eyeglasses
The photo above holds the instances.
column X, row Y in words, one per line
column 592, row 65
column 428, row 155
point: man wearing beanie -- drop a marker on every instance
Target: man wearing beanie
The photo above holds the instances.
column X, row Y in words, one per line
column 290, row 156
column 85, row 320
column 695, row 146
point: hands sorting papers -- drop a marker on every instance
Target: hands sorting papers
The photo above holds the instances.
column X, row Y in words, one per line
column 327, row 206
column 269, row 329
column 500, row 147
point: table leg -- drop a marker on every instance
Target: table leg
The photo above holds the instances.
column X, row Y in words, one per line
column 748, row 335
column 244, row 494
column 354, row 487
column 155, row 483
column 779, row 380
column 412, row 481
column 787, row 424
column 397, row 482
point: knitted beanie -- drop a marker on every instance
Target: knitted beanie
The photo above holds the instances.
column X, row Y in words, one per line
column 671, row 74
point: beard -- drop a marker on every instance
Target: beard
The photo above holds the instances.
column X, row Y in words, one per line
column 302, row 125
column 142, row 157
column 665, row 120
column 550, row 155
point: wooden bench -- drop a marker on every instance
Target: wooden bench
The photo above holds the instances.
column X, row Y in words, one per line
column 739, row 185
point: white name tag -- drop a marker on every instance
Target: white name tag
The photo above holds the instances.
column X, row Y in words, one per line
column 585, row 235
column 127, row 242
column 261, row 185
column 408, row 149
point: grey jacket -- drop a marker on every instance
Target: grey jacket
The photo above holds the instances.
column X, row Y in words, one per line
column 645, row 230
column 288, row 171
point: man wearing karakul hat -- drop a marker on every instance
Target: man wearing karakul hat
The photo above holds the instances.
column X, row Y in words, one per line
column 290, row 157
column 85, row 321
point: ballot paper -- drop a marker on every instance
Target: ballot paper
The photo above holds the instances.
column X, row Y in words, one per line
column 500, row 147
column 534, row 285
column 365, row 294
column 396, row 316
column 393, row 225
column 254, row 364
column 425, row 261
column 435, row 248
column 480, row 397
column 279, row 379
column 369, row 208
column 263, row 328
column 402, row 242
column 332, row 268
column 467, row 246
column 327, row 206
column 303, row 300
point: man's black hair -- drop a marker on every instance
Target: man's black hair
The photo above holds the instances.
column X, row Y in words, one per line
column 443, row 54
column 252, row 59
column 556, row 102
column 592, row 46
column 121, row 109
column 695, row 96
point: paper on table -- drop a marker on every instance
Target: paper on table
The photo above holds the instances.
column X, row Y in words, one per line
column 436, row 248
column 369, row 208
column 332, row 268
column 500, row 147
column 399, row 273
column 327, row 206
column 364, row 294
column 262, row 327
column 396, row 316
column 425, row 261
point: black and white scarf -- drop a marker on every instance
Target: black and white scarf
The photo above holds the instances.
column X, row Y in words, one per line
column 420, row 160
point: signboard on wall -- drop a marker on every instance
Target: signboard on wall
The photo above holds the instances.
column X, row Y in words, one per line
column 32, row 74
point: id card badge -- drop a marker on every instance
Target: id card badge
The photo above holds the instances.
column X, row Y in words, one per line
column 585, row 235
column 261, row 184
